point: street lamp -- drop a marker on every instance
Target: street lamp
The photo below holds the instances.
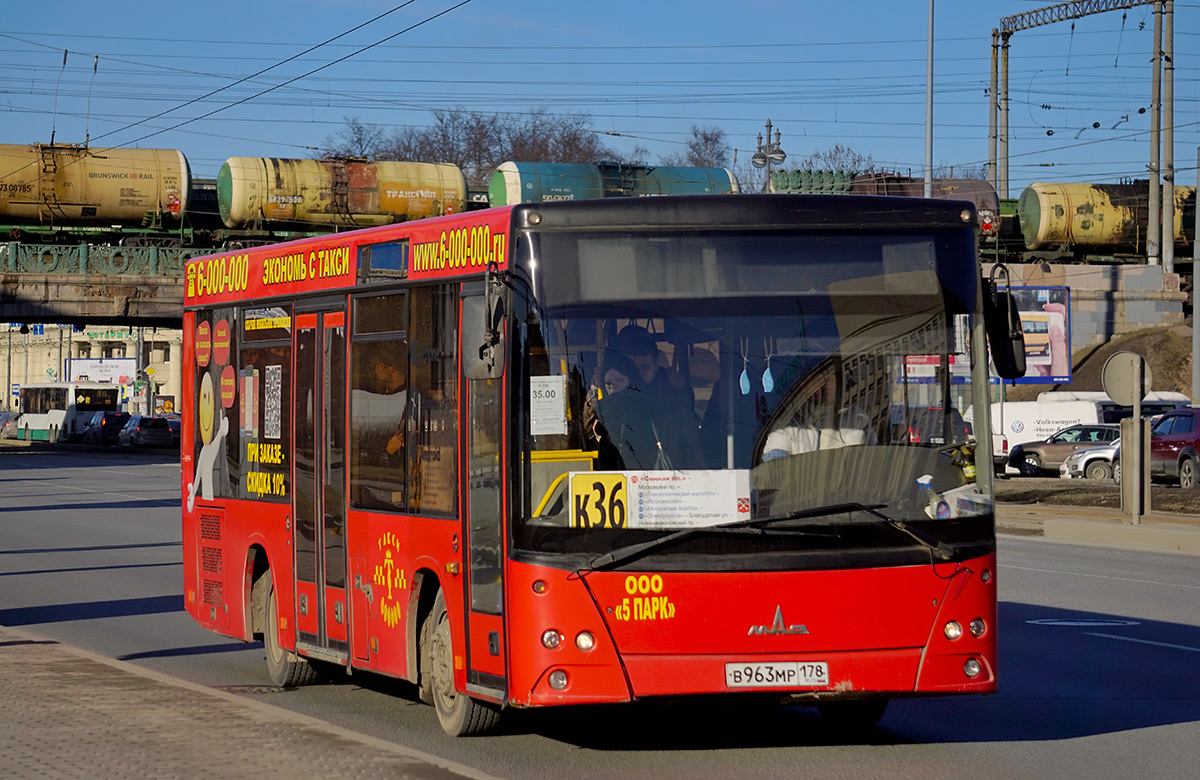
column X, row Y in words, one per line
column 767, row 154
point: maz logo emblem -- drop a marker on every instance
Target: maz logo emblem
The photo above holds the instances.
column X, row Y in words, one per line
column 778, row 627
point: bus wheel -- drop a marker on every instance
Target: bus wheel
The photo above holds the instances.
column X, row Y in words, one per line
column 286, row 669
column 459, row 714
column 857, row 714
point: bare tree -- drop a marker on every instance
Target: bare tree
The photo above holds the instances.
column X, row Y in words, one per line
column 839, row 158
column 354, row 140
column 478, row 143
column 970, row 171
column 707, row 148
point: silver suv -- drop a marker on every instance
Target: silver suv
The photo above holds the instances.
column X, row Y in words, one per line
column 1091, row 462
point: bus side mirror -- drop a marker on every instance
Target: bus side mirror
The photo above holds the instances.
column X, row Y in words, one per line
column 483, row 337
column 1005, row 336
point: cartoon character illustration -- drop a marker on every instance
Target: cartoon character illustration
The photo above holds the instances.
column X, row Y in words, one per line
column 213, row 444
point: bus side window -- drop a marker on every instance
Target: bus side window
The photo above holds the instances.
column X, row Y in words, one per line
column 378, row 424
column 433, row 405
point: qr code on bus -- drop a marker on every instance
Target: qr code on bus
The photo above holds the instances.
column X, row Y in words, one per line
column 272, row 403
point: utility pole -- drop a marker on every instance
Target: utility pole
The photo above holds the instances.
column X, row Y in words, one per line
column 1168, row 139
column 1153, row 229
column 929, row 109
column 992, row 108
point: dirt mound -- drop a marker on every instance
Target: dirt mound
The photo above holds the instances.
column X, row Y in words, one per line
column 1084, row 492
column 1167, row 350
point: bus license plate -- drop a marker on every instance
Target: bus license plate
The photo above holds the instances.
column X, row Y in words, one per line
column 784, row 674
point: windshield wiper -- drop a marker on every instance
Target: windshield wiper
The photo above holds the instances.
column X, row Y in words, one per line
column 939, row 548
column 942, row 550
column 622, row 554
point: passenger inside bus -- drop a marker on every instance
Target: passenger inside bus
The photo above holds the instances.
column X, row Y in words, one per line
column 379, row 400
column 665, row 384
column 635, row 428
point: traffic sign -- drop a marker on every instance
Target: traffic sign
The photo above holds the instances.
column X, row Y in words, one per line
column 1119, row 379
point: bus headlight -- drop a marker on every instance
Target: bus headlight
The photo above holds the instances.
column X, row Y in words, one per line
column 551, row 639
column 977, row 628
column 971, row 668
column 953, row 630
column 585, row 641
column 558, row 679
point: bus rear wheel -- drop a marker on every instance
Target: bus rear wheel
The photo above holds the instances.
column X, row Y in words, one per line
column 458, row 713
column 285, row 668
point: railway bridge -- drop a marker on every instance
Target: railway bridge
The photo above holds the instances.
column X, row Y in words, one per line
column 92, row 284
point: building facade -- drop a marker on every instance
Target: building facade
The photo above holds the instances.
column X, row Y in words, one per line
column 33, row 354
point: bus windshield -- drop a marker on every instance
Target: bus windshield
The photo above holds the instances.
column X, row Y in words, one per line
column 695, row 381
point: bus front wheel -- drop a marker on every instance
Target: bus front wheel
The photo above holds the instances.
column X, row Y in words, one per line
column 458, row 713
column 285, row 668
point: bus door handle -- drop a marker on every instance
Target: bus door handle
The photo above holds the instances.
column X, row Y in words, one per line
column 358, row 583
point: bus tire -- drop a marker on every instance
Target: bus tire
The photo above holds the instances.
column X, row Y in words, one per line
column 458, row 714
column 285, row 668
column 856, row 714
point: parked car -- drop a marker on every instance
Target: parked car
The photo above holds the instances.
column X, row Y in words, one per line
column 9, row 424
column 1175, row 447
column 142, row 431
column 1092, row 462
column 176, row 426
column 104, row 427
column 1031, row 457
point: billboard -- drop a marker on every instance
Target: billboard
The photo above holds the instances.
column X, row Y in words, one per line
column 115, row 370
column 1046, row 320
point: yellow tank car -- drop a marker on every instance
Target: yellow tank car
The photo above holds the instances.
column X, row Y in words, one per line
column 1092, row 217
column 68, row 184
column 260, row 191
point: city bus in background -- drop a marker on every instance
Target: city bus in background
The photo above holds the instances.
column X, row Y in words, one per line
column 57, row 411
column 599, row 451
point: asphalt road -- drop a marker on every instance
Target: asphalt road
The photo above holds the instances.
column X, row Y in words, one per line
column 1098, row 666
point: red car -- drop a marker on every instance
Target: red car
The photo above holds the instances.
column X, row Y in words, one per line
column 1175, row 447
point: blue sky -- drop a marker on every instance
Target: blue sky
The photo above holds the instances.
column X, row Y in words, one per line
column 849, row 73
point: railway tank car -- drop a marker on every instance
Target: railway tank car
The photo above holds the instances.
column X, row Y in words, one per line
column 262, row 191
column 522, row 182
column 1096, row 218
column 54, row 184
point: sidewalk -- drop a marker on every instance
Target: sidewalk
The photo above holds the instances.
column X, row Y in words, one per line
column 68, row 713
column 1158, row 531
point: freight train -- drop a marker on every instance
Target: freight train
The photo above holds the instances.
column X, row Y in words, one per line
column 1071, row 222
column 141, row 197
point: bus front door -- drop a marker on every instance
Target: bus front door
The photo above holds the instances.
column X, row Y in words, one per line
column 319, row 506
column 485, row 548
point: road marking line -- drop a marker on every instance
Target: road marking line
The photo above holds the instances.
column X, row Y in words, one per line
column 1144, row 641
column 1101, row 576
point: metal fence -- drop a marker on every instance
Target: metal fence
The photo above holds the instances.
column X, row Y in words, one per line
column 85, row 259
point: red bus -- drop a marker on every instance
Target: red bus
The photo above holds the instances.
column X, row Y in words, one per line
column 600, row 451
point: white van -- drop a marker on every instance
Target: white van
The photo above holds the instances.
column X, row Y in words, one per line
column 1023, row 421
column 1016, row 422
